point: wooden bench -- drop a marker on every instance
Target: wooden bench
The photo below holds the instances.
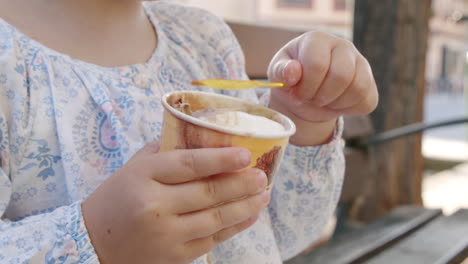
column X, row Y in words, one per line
column 407, row 235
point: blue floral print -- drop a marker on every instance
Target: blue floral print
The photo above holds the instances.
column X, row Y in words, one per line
column 66, row 125
column 41, row 160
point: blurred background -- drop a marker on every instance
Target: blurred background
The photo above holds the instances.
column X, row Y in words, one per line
column 429, row 36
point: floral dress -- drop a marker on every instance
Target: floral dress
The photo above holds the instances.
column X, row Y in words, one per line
column 66, row 125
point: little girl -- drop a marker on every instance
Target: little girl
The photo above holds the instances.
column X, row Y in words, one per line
column 81, row 177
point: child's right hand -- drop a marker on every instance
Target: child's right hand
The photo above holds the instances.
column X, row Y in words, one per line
column 173, row 207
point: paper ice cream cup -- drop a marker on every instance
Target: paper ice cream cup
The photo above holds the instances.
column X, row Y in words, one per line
column 181, row 130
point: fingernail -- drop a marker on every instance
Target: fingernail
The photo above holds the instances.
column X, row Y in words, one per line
column 262, row 180
column 289, row 77
column 291, row 80
column 265, row 197
column 283, row 71
column 244, row 157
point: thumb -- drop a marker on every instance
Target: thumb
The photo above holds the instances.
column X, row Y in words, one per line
column 287, row 71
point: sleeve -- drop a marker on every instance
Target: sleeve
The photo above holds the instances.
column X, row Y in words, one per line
column 305, row 193
column 308, row 183
column 56, row 237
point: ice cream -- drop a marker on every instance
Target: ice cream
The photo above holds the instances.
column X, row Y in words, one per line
column 241, row 121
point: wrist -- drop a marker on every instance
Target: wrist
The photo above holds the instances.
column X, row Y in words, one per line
column 308, row 133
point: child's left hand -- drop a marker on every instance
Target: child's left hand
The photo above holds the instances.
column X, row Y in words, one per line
column 327, row 77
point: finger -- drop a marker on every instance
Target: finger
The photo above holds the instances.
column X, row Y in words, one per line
column 320, row 114
column 198, row 195
column 359, row 88
column 201, row 246
column 366, row 106
column 316, row 60
column 280, row 61
column 287, row 71
column 181, row 166
column 208, row 222
column 305, row 111
column 339, row 76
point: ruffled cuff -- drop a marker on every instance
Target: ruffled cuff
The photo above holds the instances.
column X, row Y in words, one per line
column 79, row 234
column 306, row 157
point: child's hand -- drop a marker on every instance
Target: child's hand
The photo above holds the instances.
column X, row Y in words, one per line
column 173, row 207
column 327, row 77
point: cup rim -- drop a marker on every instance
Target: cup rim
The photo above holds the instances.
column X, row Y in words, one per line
column 287, row 133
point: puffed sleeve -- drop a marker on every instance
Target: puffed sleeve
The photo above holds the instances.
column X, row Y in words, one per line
column 59, row 236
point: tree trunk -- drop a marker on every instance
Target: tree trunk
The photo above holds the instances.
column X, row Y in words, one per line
column 392, row 35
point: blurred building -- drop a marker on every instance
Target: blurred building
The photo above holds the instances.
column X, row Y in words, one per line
column 447, row 61
column 447, row 58
column 335, row 16
column 231, row 10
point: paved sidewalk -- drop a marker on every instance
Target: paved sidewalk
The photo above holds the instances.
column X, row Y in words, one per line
column 447, row 190
column 445, row 149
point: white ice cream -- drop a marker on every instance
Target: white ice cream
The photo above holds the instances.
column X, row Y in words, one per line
column 243, row 122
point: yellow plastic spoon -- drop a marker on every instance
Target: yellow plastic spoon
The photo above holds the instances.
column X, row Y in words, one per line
column 236, row 84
